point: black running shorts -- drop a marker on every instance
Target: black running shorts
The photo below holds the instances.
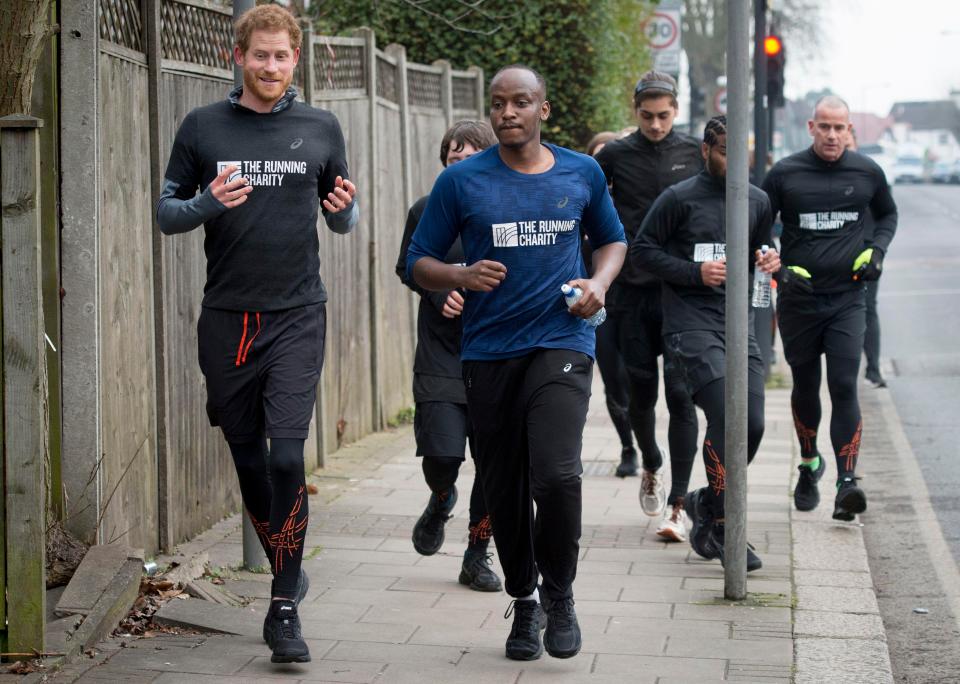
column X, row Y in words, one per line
column 261, row 369
column 700, row 358
column 441, row 429
column 832, row 324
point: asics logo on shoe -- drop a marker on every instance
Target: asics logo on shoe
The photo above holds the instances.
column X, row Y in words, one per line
column 566, row 369
column 296, row 143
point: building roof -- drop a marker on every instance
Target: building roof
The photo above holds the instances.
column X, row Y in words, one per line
column 934, row 115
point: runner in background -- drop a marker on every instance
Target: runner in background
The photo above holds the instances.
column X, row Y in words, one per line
column 441, row 424
column 638, row 168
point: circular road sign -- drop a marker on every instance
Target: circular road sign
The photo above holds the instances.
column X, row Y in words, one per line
column 662, row 30
column 720, row 101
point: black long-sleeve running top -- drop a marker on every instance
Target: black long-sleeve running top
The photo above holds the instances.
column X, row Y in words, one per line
column 436, row 364
column 637, row 171
column 823, row 206
column 685, row 227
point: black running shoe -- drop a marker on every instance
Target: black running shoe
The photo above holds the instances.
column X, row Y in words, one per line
column 716, row 542
column 477, row 573
column 562, row 638
column 850, row 500
column 524, row 640
column 283, row 634
column 303, row 586
column 628, row 462
column 806, row 496
column 428, row 532
column 702, row 520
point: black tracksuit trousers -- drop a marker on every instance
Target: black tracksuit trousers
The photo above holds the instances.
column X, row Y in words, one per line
column 528, row 415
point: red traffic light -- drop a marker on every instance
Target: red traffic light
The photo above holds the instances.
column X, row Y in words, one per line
column 772, row 46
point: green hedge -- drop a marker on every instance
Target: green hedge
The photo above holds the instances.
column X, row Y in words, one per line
column 590, row 51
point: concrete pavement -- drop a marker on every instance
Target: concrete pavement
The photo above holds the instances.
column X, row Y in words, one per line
column 650, row 611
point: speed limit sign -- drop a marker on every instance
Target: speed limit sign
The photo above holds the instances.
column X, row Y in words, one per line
column 662, row 32
column 663, row 29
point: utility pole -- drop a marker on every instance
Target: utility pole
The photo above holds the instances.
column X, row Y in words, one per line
column 253, row 555
column 761, row 128
column 737, row 251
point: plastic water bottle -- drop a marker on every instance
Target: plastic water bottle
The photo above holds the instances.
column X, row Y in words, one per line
column 572, row 295
column 761, row 285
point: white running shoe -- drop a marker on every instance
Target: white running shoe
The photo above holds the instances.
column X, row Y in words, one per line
column 653, row 495
column 673, row 527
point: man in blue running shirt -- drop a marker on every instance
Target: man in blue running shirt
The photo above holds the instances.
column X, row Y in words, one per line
column 527, row 360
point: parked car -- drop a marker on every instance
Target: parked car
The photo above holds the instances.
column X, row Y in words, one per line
column 943, row 172
column 908, row 170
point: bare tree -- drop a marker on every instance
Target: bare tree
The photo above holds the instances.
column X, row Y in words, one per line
column 705, row 34
column 24, row 28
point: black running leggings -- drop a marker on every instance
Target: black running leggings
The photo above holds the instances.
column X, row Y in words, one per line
column 273, row 486
column 616, row 383
column 846, row 425
column 711, row 399
column 441, row 474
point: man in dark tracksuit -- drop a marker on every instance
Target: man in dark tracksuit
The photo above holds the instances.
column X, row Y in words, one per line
column 823, row 194
column 638, row 168
column 263, row 162
column 683, row 241
column 441, row 423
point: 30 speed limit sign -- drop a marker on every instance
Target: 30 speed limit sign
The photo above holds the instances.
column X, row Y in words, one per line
column 663, row 29
column 662, row 32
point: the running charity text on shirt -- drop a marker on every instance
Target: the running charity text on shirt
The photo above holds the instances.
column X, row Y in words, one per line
column 827, row 220
column 530, row 233
column 263, row 172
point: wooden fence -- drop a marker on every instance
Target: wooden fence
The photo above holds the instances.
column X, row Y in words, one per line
column 140, row 462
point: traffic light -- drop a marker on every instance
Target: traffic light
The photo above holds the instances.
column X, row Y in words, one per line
column 776, row 60
column 698, row 103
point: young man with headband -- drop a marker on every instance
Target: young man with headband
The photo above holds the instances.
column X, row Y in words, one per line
column 638, row 168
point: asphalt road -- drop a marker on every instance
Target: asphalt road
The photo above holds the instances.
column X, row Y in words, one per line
column 919, row 304
column 912, row 567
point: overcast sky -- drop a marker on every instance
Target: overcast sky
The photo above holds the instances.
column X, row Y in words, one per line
column 876, row 52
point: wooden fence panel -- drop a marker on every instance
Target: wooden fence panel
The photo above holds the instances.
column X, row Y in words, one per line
column 129, row 466
column 203, row 484
column 426, row 131
column 347, row 405
column 395, row 366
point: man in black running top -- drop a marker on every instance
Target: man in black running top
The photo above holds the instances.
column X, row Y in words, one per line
column 638, row 168
column 262, row 162
column 441, row 424
column 823, row 194
column 683, row 241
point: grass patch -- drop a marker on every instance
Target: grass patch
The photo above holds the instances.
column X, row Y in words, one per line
column 404, row 417
column 753, row 600
column 314, row 552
